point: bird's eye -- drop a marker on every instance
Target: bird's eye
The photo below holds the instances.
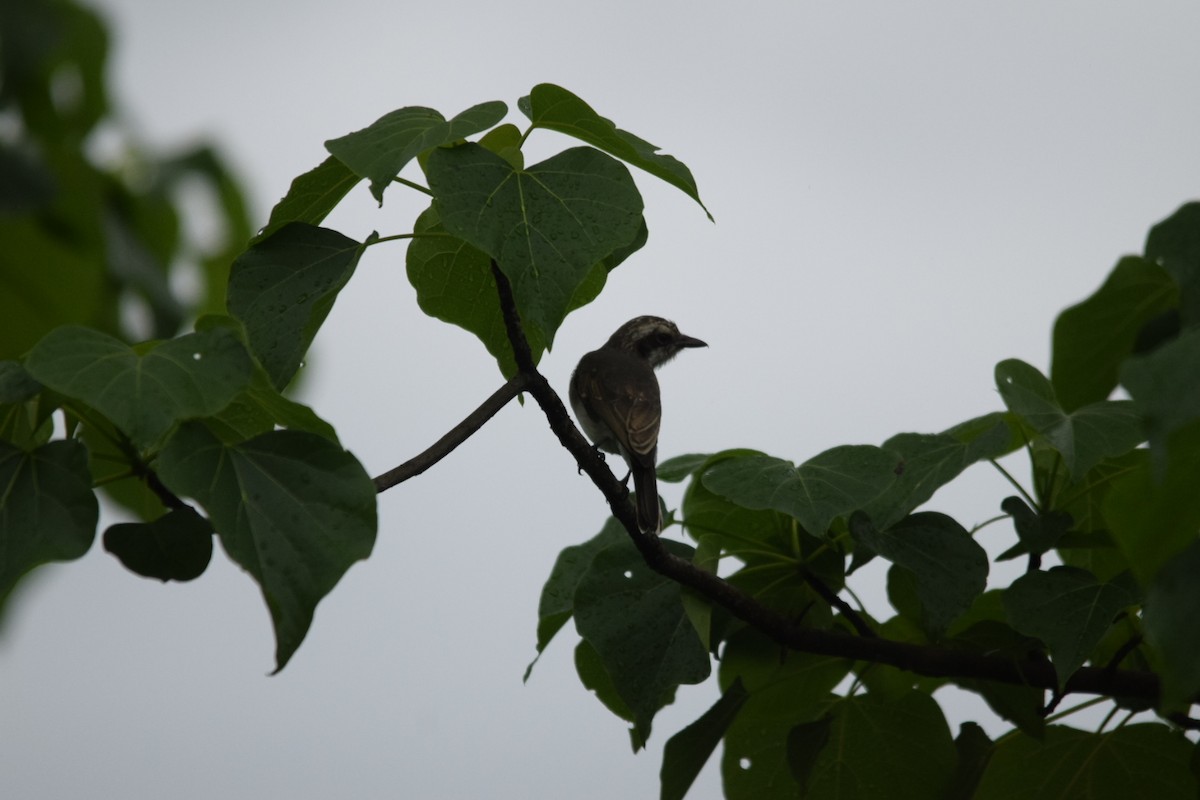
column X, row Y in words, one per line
column 662, row 338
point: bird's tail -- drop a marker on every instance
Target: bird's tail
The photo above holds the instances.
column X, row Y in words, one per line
column 645, row 485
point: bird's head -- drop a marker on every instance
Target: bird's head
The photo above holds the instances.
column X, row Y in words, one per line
column 655, row 339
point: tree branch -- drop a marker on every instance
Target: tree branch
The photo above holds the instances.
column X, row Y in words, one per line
column 455, row 436
column 922, row 659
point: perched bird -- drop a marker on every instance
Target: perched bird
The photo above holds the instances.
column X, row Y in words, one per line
column 615, row 397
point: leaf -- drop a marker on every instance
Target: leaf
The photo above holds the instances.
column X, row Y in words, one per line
column 634, row 619
column 16, row 384
column 1085, row 436
column 679, row 468
column 454, row 283
column 143, row 392
column 1134, row 762
column 379, row 151
column 595, row 679
column 786, row 689
column 879, row 749
column 949, row 566
column 930, row 461
column 1173, row 626
column 283, row 287
column 740, row 531
column 554, row 108
column 311, row 197
column 1037, row 533
column 688, row 751
column 1068, row 609
column 293, row 509
column 557, row 602
column 827, row 486
column 1153, row 518
column 1093, row 338
column 1175, row 244
column 974, row 751
column 546, row 226
column 174, row 547
column 48, row 511
column 1165, row 386
column 260, row 407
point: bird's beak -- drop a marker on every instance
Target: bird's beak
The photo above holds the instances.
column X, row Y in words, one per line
column 690, row 341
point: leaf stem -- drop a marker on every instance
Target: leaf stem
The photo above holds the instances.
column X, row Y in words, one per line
column 1013, row 481
column 411, row 185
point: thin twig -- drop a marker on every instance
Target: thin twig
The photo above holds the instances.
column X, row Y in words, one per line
column 454, row 437
column 830, row 596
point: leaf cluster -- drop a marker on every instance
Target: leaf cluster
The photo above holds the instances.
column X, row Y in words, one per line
column 1106, row 524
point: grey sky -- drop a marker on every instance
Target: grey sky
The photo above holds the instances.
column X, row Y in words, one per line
column 905, row 194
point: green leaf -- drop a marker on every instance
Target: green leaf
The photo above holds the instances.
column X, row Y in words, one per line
column 1153, row 519
column 293, row 509
column 174, row 547
column 1175, row 244
column 679, row 468
column 554, row 108
column 885, row 748
column 974, row 751
column 949, row 566
column 311, row 196
column 283, row 287
column 930, row 461
column 1090, row 544
column 260, row 407
column 454, row 283
column 740, row 531
column 505, row 141
column 1093, row 338
column 786, row 689
column 595, row 679
column 381, row 150
column 144, row 392
column 1165, row 386
column 1173, row 626
column 1020, row 705
column 546, row 226
column 688, row 751
column 16, row 384
column 48, row 511
column 1085, row 436
column 557, row 602
column 634, row 619
column 1134, row 762
column 827, row 486
column 1068, row 609
column 1038, row 533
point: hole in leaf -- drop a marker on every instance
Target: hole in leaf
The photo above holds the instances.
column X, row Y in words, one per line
column 744, row 762
column 628, row 573
column 197, row 356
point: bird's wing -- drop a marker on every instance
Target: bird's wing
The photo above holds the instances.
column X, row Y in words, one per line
column 627, row 401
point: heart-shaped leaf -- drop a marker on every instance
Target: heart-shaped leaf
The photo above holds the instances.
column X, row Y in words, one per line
column 454, row 283
column 554, row 108
column 829, row 485
column 634, row 619
column 48, row 511
column 1068, row 609
column 380, row 150
column 284, row 287
column 547, row 226
column 1083, row 437
column 146, row 391
column 949, row 566
column 292, row 508
column 175, row 547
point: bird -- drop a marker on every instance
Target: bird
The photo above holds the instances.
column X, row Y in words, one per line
column 614, row 393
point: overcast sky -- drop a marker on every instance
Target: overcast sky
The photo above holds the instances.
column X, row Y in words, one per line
column 905, row 194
